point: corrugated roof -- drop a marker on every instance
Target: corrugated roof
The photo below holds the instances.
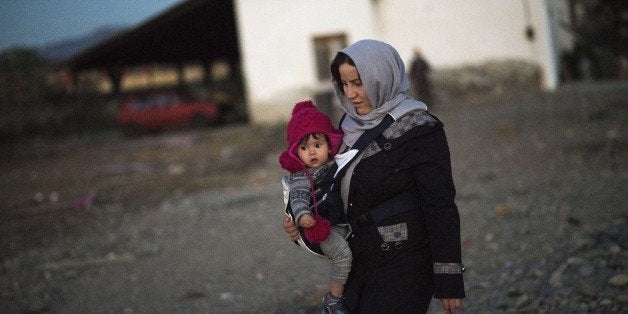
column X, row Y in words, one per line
column 195, row 30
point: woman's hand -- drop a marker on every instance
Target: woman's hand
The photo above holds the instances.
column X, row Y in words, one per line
column 449, row 305
column 291, row 228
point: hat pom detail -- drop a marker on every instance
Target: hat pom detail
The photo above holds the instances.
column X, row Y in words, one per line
column 307, row 104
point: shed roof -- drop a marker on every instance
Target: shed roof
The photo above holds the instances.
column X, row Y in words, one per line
column 195, row 30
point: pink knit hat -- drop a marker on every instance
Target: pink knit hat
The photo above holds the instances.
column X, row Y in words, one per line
column 307, row 119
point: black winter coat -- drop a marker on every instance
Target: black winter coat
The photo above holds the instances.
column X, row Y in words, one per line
column 418, row 159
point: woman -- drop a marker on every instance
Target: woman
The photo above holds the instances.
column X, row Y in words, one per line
column 398, row 193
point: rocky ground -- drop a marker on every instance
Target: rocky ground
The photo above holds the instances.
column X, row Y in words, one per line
column 190, row 221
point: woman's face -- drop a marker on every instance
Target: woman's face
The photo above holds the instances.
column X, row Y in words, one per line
column 353, row 88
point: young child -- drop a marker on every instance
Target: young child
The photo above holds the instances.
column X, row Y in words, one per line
column 312, row 142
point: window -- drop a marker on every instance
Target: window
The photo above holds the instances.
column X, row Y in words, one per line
column 325, row 50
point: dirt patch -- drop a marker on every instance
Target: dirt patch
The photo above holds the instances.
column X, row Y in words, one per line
column 190, row 221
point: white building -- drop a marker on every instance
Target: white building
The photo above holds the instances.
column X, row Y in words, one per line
column 286, row 45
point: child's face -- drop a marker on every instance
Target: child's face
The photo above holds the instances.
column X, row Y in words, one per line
column 313, row 151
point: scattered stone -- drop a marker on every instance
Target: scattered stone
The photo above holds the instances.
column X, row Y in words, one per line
column 588, row 290
column 38, row 198
column 226, row 152
column 54, row 197
column 614, row 249
column 227, row 296
column 522, row 301
column 176, row 169
column 501, row 210
column 618, row 281
column 489, row 237
column 557, row 276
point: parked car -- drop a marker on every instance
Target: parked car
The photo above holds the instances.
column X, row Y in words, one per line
column 152, row 111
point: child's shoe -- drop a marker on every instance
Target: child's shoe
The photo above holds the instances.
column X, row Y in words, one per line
column 334, row 305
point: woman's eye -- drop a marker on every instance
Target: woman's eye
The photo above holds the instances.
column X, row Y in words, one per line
column 319, row 145
column 302, row 147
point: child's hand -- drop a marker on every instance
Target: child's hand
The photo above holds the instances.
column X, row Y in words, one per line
column 307, row 221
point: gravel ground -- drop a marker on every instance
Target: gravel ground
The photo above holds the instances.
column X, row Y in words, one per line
column 190, row 221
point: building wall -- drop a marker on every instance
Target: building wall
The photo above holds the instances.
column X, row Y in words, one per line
column 278, row 56
column 277, row 50
column 458, row 31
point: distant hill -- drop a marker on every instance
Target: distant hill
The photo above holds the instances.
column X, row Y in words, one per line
column 64, row 49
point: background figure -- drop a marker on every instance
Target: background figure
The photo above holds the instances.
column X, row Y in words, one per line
column 419, row 78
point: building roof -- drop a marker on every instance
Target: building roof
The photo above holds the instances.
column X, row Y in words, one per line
column 193, row 31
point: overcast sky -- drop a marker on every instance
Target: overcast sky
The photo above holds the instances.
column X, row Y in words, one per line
column 35, row 23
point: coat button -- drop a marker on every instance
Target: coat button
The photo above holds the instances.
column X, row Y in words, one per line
column 387, row 146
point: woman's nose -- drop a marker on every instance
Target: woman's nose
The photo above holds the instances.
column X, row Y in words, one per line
column 350, row 92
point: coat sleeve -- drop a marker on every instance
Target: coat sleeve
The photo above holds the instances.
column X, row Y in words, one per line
column 299, row 195
column 437, row 192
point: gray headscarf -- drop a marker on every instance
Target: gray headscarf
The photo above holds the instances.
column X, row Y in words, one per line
column 383, row 75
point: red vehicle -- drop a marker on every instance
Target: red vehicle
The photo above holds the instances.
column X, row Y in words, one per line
column 158, row 110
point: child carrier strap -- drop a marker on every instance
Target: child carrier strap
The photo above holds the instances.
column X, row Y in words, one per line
column 362, row 143
column 402, row 203
column 334, row 192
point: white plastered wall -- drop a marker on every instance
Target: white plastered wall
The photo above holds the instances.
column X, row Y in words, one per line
column 455, row 32
column 276, row 40
column 278, row 56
